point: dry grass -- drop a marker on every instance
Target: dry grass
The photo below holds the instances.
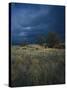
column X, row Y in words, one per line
column 36, row 65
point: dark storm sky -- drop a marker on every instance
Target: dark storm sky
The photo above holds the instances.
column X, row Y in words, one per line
column 30, row 20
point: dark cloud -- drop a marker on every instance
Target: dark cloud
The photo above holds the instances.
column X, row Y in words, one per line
column 29, row 20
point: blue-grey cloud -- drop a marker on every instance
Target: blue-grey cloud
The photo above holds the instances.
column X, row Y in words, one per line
column 29, row 20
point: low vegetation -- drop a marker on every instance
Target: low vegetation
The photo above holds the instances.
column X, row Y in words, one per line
column 37, row 65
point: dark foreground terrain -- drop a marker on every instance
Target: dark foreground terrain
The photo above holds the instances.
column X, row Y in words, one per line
column 36, row 65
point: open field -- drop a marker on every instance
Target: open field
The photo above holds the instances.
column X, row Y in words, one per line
column 36, row 65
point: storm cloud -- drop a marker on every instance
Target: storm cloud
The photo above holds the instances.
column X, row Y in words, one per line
column 29, row 20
